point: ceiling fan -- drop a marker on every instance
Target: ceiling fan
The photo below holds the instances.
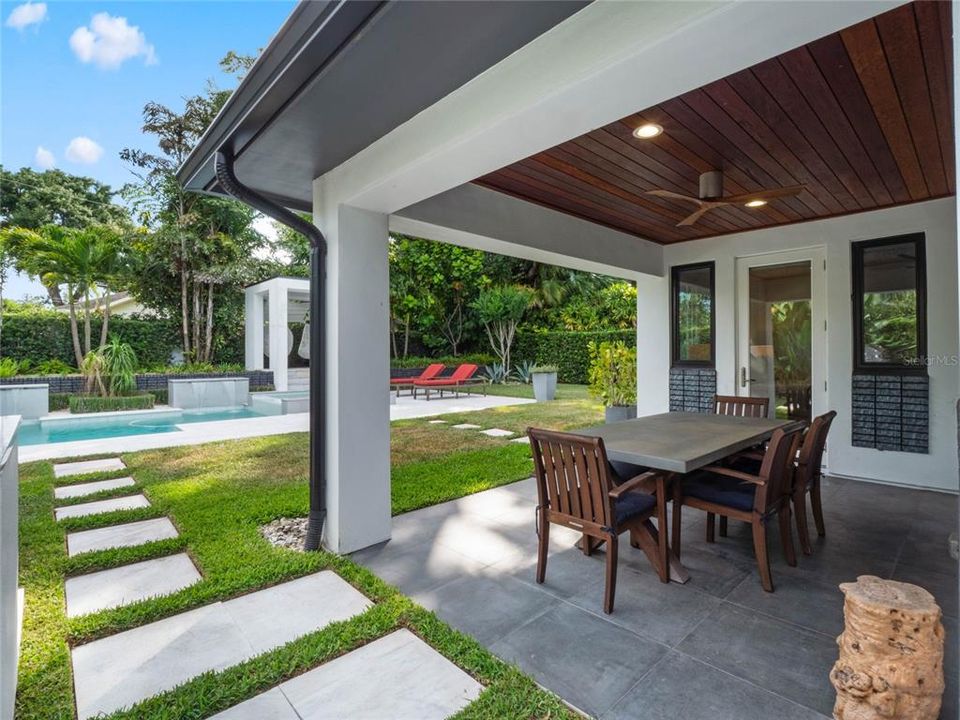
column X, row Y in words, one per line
column 711, row 196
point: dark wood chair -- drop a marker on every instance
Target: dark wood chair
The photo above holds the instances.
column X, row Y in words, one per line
column 806, row 479
column 738, row 406
column 741, row 406
column 575, row 489
column 753, row 498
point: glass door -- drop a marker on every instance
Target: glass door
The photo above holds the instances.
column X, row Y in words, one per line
column 782, row 332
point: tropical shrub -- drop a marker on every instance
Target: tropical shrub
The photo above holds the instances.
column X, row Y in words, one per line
column 58, row 401
column 613, row 373
column 8, row 367
column 120, row 366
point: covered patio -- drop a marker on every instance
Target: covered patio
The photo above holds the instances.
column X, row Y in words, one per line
column 717, row 647
column 725, row 156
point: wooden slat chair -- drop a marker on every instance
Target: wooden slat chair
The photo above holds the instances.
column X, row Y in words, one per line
column 737, row 406
column 575, row 489
column 741, row 406
column 756, row 499
column 807, row 477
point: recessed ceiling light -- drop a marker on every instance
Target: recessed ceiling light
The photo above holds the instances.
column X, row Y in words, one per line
column 755, row 203
column 645, row 132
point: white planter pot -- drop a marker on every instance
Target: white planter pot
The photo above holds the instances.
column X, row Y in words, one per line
column 544, row 386
column 618, row 413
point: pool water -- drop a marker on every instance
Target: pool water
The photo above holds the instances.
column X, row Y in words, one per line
column 33, row 433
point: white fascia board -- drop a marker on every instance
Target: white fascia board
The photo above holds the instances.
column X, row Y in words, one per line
column 605, row 62
column 482, row 219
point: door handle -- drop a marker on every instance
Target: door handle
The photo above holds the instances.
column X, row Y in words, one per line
column 744, row 379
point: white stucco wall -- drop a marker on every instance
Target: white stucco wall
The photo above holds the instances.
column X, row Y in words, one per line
column 936, row 218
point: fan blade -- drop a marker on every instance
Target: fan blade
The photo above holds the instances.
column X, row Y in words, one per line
column 697, row 214
column 766, row 194
column 673, row 196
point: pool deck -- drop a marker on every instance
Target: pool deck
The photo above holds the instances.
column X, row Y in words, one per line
column 203, row 432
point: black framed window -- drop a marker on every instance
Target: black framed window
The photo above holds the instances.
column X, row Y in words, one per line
column 693, row 314
column 890, row 304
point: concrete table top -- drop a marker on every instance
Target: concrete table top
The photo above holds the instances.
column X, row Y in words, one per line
column 682, row 441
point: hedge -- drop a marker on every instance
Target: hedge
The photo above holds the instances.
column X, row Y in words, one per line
column 567, row 350
column 95, row 403
column 412, row 361
column 44, row 337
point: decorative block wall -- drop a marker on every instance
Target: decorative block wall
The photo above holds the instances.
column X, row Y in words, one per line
column 692, row 389
column 891, row 412
column 73, row 384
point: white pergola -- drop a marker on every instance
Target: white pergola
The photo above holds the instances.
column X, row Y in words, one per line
column 273, row 303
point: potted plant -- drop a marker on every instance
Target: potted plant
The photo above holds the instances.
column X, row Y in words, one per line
column 544, row 382
column 613, row 379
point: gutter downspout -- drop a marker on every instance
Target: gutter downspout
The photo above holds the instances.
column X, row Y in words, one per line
column 318, row 335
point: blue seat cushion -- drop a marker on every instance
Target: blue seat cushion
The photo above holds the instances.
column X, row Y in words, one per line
column 631, row 504
column 623, row 471
column 721, row 490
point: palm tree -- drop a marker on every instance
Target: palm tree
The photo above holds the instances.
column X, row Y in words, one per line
column 84, row 260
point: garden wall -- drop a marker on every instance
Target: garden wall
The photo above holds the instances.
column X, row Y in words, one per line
column 146, row 382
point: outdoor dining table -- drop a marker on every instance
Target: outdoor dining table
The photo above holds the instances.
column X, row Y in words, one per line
column 678, row 443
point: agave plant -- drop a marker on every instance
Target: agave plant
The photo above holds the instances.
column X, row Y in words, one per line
column 496, row 373
column 523, row 372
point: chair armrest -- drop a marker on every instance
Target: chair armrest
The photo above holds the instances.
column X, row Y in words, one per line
column 728, row 472
column 645, row 482
column 748, row 454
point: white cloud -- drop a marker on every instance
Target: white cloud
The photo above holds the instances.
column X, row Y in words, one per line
column 44, row 159
column 83, row 150
column 109, row 41
column 27, row 14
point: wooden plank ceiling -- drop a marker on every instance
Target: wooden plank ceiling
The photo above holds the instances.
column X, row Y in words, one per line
column 861, row 118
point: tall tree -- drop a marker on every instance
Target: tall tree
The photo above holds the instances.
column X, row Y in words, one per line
column 203, row 242
column 83, row 261
column 31, row 200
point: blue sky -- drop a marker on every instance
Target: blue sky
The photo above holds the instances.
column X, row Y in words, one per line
column 74, row 72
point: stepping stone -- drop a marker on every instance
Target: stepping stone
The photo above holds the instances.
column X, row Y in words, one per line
column 466, row 426
column 101, row 506
column 116, row 536
column 81, row 489
column 87, row 466
column 120, row 670
column 129, row 583
column 497, row 432
column 412, row 681
column 437, row 422
column 522, row 439
column 271, row 705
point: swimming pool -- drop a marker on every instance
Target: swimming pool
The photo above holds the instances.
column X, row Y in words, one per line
column 68, row 429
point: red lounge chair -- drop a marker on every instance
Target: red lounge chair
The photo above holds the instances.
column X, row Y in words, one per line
column 431, row 372
column 462, row 379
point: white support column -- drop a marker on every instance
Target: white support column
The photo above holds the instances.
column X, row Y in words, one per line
column 358, row 371
column 277, row 313
column 653, row 345
column 253, row 331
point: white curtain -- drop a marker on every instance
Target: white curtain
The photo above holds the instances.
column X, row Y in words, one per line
column 304, row 349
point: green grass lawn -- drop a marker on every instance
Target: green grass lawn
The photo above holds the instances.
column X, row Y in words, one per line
column 218, row 495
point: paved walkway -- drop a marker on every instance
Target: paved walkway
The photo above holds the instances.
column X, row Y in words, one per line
column 717, row 647
column 413, row 680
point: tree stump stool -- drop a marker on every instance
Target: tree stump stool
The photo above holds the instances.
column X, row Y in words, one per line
column 891, row 652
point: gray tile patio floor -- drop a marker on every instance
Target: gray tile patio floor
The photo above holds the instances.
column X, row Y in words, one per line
column 717, row 647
